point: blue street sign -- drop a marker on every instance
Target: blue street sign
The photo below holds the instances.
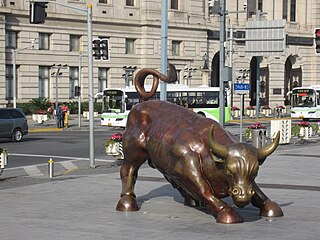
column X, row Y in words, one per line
column 241, row 88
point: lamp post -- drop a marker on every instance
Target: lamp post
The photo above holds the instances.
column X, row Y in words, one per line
column 188, row 74
column 14, row 84
column 128, row 74
column 57, row 74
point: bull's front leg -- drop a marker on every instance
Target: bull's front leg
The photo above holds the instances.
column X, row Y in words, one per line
column 267, row 207
column 223, row 212
column 199, row 187
column 127, row 202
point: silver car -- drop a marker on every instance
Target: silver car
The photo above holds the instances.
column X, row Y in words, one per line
column 13, row 124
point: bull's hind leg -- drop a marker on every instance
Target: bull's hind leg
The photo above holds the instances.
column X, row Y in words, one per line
column 267, row 207
column 129, row 173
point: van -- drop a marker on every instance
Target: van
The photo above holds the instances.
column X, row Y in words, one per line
column 13, row 124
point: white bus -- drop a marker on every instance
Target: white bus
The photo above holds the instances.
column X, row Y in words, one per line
column 117, row 103
column 305, row 102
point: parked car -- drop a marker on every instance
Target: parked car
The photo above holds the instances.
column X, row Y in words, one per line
column 13, row 124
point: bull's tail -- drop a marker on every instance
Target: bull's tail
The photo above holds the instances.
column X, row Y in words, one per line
column 143, row 73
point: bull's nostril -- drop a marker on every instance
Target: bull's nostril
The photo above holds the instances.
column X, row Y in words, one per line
column 235, row 191
column 251, row 192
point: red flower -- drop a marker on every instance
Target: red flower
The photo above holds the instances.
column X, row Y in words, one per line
column 303, row 124
column 117, row 137
column 234, row 108
column 257, row 126
column 250, row 107
column 281, row 107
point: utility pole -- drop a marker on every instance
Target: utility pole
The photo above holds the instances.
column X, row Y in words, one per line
column 14, row 69
column 222, row 68
column 164, row 44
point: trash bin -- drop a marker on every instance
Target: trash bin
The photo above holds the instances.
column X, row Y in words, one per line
column 259, row 137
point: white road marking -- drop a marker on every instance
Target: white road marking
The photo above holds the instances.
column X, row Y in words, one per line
column 33, row 171
column 66, row 164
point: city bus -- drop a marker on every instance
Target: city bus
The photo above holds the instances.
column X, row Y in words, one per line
column 305, row 102
column 117, row 103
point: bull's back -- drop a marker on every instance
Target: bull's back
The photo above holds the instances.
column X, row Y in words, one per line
column 162, row 120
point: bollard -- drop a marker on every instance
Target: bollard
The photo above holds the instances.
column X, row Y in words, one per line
column 66, row 120
column 50, row 168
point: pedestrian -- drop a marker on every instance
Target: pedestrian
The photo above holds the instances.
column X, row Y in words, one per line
column 59, row 117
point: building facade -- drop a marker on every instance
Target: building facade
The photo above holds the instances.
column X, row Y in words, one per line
column 134, row 31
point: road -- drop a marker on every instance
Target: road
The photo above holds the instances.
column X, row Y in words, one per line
column 70, row 148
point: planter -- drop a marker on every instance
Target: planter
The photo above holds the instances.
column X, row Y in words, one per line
column 115, row 150
column 251, row 112
column 40, row 118
column 267, row 112
column 3, row 160
column 235, row 113
column 305, row 132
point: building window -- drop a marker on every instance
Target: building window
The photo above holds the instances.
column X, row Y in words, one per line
column 44, row 41
column 74, row 43
column 130, row 3
column 293, row 10
column 130, row 45
column 260, row 5
column 176, row 48
column 9, row 82
column 103, row 1
column 11, row 39
column 44, row 82
column 102, row 79
column 174, row 4
column 73, row 80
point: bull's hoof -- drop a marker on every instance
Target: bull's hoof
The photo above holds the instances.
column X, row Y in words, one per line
column 271, row 209
column 228, row 216
column 127, row 204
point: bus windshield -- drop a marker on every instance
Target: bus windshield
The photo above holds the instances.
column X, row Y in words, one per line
column 113, row 101
column 303, row 98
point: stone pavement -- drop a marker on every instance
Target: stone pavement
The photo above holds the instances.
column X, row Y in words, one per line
column 80, row 205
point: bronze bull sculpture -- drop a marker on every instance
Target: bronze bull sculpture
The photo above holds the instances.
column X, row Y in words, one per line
column 195, row 154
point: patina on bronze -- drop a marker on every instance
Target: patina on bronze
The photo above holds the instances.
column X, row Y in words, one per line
column 195, row 154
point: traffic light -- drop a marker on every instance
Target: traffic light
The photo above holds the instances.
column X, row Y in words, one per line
column 317, row 39
column 100, row 49
column 104, row 45
column 38, row 12
column 77, row 91
column 96, row 49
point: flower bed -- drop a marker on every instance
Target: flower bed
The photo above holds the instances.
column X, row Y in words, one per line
column 113, row 146
column 248, row 132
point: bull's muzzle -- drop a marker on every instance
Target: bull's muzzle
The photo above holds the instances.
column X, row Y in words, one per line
column 241, row 195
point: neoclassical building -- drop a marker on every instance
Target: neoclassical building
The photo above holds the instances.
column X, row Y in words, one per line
column 134, row 31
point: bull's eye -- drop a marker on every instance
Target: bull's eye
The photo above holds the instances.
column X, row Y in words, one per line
column 235, row 191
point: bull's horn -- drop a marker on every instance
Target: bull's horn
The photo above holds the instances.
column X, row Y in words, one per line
column 217, row 149
column 267, row 150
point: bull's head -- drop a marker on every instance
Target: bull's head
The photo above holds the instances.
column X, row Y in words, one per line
column 241, row 161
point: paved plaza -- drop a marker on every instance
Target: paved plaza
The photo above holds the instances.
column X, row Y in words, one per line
column 80, row 205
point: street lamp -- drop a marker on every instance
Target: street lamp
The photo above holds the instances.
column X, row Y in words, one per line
column 128, row 74
column 188, row 74
column 56, row 75
column 14, row 85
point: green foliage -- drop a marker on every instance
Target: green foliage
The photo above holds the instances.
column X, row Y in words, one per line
column 73, row 107
column 39, row 104
column 25, row 107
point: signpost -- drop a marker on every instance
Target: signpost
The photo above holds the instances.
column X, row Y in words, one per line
column 241, row 89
